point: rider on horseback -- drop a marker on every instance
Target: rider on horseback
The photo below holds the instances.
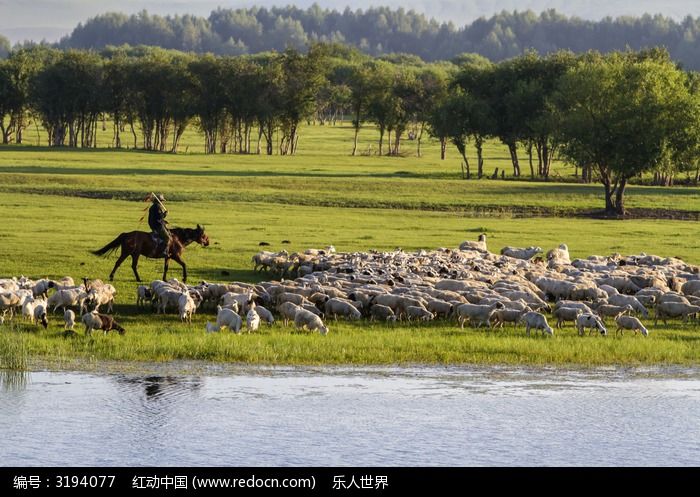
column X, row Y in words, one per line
column 157, row 222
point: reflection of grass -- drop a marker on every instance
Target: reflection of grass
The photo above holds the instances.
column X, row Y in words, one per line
column 13, row 350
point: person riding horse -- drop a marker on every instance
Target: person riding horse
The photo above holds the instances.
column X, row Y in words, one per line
column 157, row 222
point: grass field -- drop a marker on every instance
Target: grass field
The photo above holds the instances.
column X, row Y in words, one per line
column 59, row 204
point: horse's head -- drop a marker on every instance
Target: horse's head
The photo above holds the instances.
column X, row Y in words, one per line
column 202, row 238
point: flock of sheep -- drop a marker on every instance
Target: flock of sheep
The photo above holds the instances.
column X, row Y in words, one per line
column 31, row 299
column 466, row 285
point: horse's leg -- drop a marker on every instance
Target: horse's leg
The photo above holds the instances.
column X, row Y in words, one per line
column 177, row 259
column 165, row 269
column 121, row 259
column 134, row 265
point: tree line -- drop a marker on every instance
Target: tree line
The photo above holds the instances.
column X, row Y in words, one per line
column 382, row 30
column 613, row 116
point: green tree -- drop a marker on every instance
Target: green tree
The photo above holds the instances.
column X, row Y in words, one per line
column 624, row 113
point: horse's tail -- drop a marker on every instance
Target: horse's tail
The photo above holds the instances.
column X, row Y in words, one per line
column 111, row 246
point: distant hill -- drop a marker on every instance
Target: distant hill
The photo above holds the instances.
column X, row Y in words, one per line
column 384, row 30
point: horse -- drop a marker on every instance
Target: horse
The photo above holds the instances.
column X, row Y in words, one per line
column 142, row 243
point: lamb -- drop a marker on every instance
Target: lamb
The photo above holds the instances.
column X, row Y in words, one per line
column 309, row 320
column 479, row 245
column 418, row 312
column 536, row 320
column 674, row 310
column 590, row 321
column 225, row 318
column 143, row 295
column 521, row 253
column 69, row 318
column 564, row 314
column 186, row 307
column 252, row 320
column 381, row 313
column 334, row 307
column 479, row 313
column 630, row 323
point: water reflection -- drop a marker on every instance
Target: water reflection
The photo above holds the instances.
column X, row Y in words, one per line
column 317, row 416
column 12, row 381
column 157, row 387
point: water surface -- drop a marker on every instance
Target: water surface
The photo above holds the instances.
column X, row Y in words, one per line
column 343, row 416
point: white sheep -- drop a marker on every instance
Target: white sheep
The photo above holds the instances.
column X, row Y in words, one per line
column 419, row 312
column 382, row 313
column 265, row 315
column 479, row 245
column 630, row 323
column 69, row 318
column 186, row 307
column 288, row 311
column 477, row 313
column 252, row 320
column 521, row 253
column 334, row 307
column 92, row 321
column 564, row 314
column 309, row 320
column 226, row 318
column 536, row 320
column 40, row 313
column 673, row 310
column 592, row 322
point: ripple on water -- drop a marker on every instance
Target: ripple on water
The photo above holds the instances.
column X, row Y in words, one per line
column 354, row 416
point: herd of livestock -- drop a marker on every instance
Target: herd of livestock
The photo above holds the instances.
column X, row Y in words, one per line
column 468, row 285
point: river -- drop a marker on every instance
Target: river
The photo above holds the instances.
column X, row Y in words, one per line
column 416, row 416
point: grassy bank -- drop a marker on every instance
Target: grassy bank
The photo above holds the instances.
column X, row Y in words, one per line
column 150, row 340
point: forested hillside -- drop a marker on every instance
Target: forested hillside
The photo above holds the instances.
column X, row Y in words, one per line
column 382, row 30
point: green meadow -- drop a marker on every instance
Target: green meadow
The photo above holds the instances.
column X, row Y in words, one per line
column 57, row 205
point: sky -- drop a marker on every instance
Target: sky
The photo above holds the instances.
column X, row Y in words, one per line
column 50, row 19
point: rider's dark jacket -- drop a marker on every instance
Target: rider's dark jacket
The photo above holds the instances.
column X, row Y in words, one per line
column 156, row 217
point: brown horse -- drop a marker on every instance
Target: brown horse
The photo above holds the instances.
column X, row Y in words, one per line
column 141, row 243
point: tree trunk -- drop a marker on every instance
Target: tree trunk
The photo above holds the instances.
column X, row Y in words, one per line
column 397, row 142
column 388, row 141
column 620, row 197
column 356, row 125
column 545, row 159
column 420, row 137
column 443, row 149
column 381, row 139
column 529, row 156
column 479, row 144
column 461, row 147
column 513, row 149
